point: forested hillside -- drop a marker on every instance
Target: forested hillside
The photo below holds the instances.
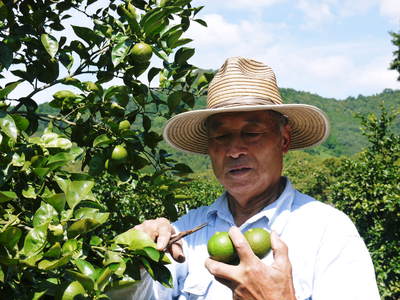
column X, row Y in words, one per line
column 345, row 138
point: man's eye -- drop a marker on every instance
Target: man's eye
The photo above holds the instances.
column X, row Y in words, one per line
column 253, row 134
column 221, row 137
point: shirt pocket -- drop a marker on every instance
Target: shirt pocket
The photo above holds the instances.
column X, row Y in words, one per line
column 196, row 286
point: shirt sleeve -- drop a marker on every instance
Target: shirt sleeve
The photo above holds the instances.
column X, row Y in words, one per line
column 343, row 268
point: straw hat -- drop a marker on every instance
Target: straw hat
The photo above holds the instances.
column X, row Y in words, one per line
column 245, row 85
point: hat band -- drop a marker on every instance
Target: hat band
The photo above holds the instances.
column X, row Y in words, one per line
column 242, row 101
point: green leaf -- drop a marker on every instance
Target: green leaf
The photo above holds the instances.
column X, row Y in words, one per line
column 1, row 275
column 59, row 160
column 188, row 98
column 152, row 253
column 82, row 226
column 200, row 21
column 6, row 56
column 102, row 280
column 45, row 214
column 97, row 164
column 6, row 196
column 53, row 264
column 153, row 22
column 102, row 140
column 54, row 251
column 18, row 160
column 95, row 240
column 135, row 239
column 87, row 35
column 88, row 212
column 41, row 172
column 10, row 237
column 173, row 37
column 57, row 201
column 70, row 247
column 29, row 192
column 152, row 73
column 86, row 281
column 120, row 51
column 183, row 54
column 78, row 191
column 21, row 122
column 67, row 60
column 73, row 289
column 182, row 42
column 7, row 125
column 85, row 267
column 50, row 43
column 173, row 100
column 35, row 240
column 8, row 89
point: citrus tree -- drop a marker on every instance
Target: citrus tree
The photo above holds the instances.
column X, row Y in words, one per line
column 395, row 64
column 368, row 190
column 112, row 66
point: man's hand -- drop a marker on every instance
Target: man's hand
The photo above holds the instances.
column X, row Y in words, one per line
column 252, row 279
column 161, row 230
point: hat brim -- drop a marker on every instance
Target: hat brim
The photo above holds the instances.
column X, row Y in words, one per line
column 187, row 131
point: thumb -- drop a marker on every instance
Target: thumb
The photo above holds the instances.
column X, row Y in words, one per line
column 279, row 250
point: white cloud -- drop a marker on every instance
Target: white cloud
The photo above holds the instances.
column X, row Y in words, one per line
column 237, row 4
column 319, row 12
column 315, row 13
column 336, row 69
column 390, row 9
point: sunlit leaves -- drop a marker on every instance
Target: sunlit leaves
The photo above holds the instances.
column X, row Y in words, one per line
column 35, row 240
column 7, row 125
column 8, row 89
column 120, row 50
column 87, row 34
column 50, row 43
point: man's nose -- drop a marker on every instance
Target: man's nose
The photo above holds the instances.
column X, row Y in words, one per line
column 236, row 146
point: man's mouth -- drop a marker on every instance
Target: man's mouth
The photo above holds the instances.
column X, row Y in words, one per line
column 240, row 170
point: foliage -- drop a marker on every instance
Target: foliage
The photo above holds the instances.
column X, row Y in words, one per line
column 368, row 190
column 395, row 64
column 148, row 199
column 57, row 239
column 311, row 174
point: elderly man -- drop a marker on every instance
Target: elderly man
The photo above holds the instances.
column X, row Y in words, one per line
column 317, row 252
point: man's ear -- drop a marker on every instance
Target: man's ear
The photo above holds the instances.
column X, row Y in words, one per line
column 286, row 138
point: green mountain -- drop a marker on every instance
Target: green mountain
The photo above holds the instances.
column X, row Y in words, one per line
column 345, row 138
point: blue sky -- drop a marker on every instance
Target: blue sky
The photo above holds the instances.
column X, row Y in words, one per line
column 334, row 48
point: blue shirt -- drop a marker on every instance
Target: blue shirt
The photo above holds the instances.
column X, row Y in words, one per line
column 329, row 258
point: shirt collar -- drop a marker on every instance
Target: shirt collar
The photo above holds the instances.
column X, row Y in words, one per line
column 276, row 213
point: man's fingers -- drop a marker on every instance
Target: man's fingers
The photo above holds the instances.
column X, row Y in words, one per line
column 161, row 230
column 243, row 248
column 279, row 249
column 176, row 251
column 220, row 270
column 164, row 234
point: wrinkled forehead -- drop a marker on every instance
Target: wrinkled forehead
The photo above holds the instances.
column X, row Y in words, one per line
column 232, row 119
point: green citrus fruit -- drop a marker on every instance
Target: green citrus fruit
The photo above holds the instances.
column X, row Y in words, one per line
column 220, row 248
column 259, row 240
column 124, row 125
column 142, row 52
column 119, row 153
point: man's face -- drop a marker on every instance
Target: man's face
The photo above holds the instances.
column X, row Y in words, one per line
column 246, row 151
